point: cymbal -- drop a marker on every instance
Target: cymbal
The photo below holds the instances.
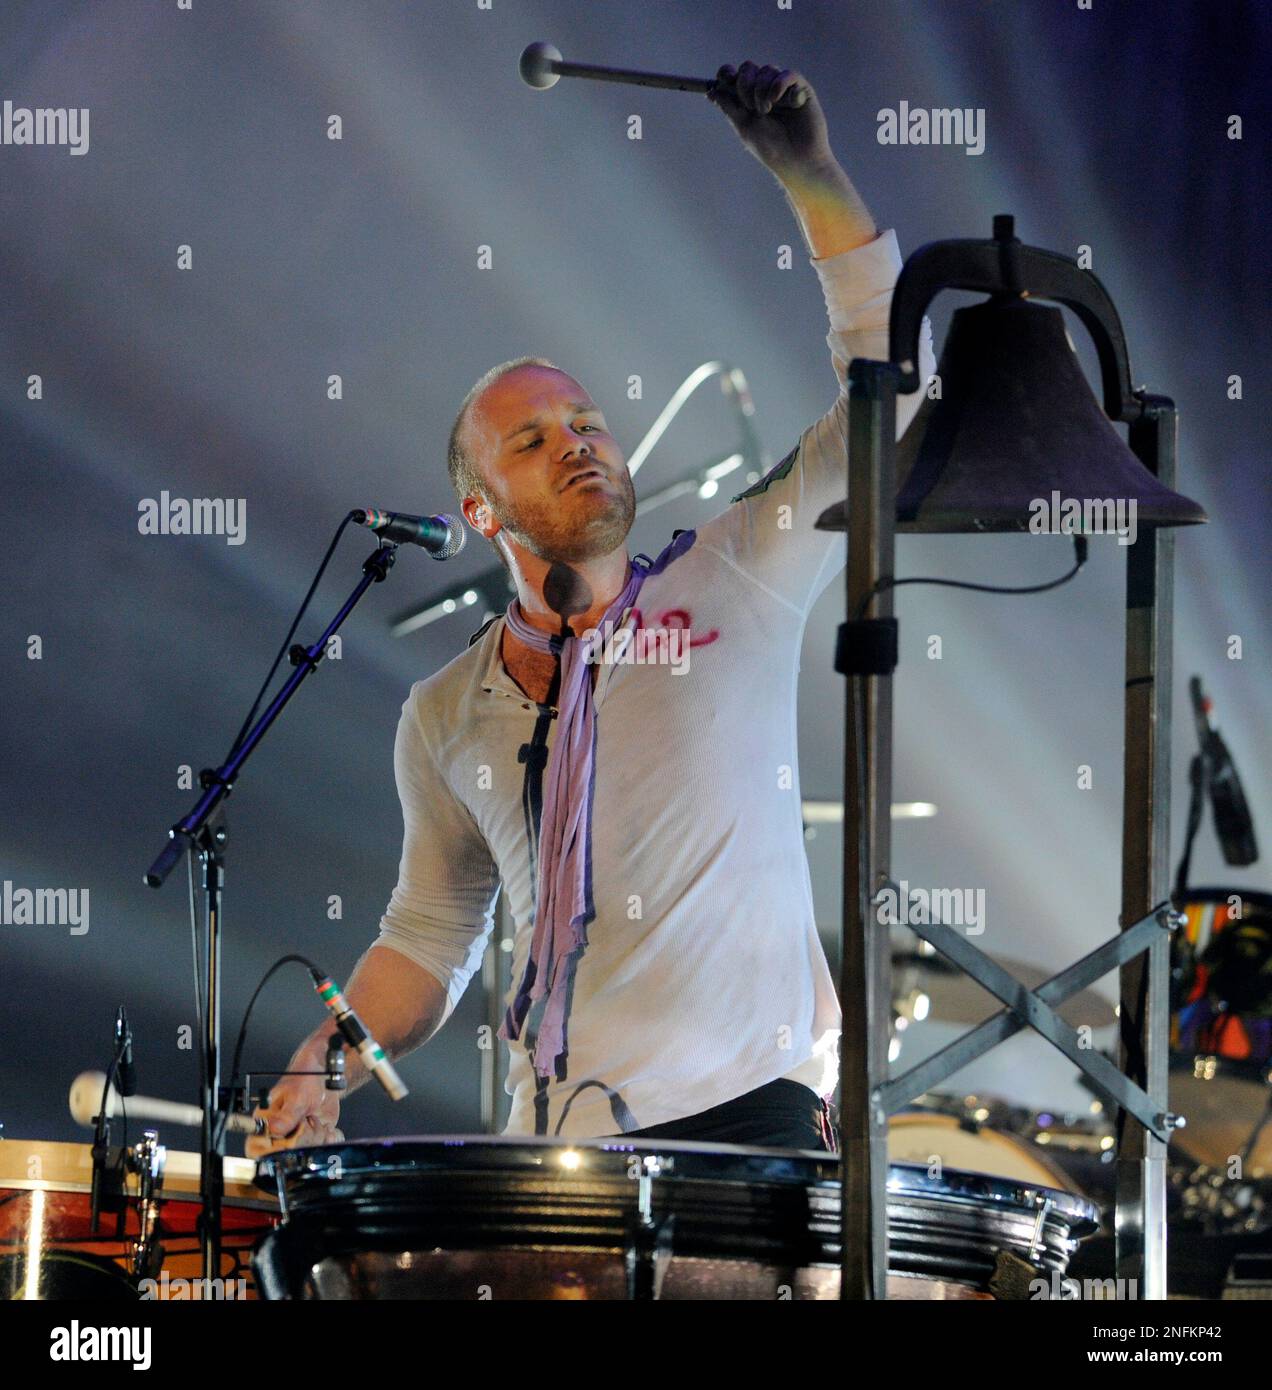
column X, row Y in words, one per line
column 1221, row 1102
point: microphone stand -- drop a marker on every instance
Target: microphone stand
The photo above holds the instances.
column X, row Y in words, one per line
column 203, row 832
column 102, row 1176
column 1199, row 783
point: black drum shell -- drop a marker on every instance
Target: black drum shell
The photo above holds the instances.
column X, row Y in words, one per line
column 465, row 1217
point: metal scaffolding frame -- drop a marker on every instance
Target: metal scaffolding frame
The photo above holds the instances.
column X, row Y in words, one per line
column 1136, row 1088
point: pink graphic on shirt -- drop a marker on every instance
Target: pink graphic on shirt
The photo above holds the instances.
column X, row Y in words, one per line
column 677, row 620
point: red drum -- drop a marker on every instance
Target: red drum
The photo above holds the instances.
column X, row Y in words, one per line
column 1221, row 1029
column 48, row 1249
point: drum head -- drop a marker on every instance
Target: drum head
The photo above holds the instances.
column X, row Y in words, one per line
column 44, row 1165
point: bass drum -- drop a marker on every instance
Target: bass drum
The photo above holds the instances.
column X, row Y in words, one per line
column 944, row 1141
column 464, row 1217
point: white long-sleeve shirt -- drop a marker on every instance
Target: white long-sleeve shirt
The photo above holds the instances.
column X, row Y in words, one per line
column 703, row 976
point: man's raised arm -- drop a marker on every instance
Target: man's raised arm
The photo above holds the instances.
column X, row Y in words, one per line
column 769, row 532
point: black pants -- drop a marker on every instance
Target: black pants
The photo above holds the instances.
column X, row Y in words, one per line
column 783, row 1114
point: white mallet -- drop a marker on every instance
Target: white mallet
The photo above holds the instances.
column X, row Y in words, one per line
column 542, row 66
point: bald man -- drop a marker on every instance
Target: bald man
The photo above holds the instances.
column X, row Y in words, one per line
column 618, row 751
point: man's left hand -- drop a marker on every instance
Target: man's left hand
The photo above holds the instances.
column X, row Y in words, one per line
column 790, row 141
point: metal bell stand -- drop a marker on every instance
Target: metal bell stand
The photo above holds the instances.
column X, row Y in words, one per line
column 1136, row 1088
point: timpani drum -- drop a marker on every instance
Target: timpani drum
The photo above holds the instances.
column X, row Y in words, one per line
column 512, row 1217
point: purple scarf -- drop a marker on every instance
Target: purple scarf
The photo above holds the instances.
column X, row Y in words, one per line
column 563, row 906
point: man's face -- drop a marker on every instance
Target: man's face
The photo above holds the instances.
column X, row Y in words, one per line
column 556, row 479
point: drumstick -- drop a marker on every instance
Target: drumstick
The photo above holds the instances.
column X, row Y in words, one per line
column 542, row 66
column 86, row 1100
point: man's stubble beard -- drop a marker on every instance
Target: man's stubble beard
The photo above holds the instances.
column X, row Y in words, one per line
column 542, row 531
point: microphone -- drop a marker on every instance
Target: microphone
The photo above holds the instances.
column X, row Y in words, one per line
column 442, row 536
column 357, row 1037
column 125, row 1071
column 86, row 1098
column 1233, row 822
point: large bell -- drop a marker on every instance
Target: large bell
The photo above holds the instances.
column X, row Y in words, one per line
column 1016, row 423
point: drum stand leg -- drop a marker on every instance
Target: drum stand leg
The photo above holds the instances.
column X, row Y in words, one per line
column 646, row 1257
